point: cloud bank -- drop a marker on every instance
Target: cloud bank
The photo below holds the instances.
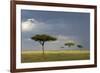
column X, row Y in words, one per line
column 28, row 25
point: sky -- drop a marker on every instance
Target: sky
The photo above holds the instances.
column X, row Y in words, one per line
column 65, row 26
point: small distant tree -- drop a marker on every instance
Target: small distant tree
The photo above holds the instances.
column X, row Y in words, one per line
column 69, row 44
column 79, row 46
column 42, row 38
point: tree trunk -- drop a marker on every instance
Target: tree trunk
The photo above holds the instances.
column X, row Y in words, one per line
column 43, row 49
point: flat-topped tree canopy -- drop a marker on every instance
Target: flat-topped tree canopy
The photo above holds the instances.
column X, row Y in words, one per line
column 79, row 46
column 69, row 44
column 42, row 38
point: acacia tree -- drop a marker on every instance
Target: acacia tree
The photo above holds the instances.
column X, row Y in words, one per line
column 79, row 46
column 42, row 39
column 69, row 44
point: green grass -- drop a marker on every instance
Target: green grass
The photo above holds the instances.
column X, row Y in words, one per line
column 37, row 56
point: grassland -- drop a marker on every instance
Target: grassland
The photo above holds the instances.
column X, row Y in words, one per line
column 65, row 55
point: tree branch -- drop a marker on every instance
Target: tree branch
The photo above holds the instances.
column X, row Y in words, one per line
column 42, row 42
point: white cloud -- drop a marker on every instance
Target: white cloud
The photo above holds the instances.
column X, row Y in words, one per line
column 28, row 25
column 31, row 24
column 32, row 19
